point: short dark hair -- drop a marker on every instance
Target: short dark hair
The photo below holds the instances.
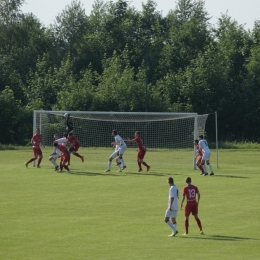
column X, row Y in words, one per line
column 201, row 136
column 137, row 132
column 70, row 134
column 114, row 132
column 196, row 141
column 170, row 180
column 188, row 180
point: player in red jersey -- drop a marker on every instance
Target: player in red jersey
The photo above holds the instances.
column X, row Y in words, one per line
column 65, row 157
column 74, row 146
column 198, row 156
column 36, row 142
column 141, row 151
column 189, row 192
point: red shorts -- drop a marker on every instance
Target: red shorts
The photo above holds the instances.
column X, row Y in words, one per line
column 199, row 160
column 191, row 208
column 65, row 157
column 37, row 151
column 75, row 148
column 141, row 154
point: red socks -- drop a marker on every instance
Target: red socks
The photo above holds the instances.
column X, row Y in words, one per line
column 186, row 223
column 145, row 164
column 199, row 223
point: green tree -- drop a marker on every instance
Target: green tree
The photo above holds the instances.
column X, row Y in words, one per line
column 188, row 35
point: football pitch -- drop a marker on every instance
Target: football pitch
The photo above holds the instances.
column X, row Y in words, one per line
column 90, row 214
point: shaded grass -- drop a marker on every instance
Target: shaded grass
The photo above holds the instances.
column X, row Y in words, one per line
column 95, row 215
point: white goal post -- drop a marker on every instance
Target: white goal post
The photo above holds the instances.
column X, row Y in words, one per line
column 170, row 131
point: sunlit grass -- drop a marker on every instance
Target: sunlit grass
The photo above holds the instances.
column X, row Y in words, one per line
column 90, row 214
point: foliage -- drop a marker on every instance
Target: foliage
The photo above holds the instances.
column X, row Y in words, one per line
column 121, row 59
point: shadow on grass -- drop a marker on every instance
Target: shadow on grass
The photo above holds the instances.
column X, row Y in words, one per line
column 92, row 173
column 118, row 174
column 146, row 173
column 218, row 237
column 231, row 176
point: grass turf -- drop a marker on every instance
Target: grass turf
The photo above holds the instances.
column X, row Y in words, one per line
column 90, row 214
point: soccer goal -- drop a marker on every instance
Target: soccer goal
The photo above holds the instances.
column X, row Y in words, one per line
column 160, row 131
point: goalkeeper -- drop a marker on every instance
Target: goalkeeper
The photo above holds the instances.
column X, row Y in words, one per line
column 69, row 126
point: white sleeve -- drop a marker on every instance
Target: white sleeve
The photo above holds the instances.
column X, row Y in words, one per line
column 61, row 140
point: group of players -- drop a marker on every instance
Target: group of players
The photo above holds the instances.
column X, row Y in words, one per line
column 61, row 151
column 203, row 155
column 190, row 192
column 120, row 147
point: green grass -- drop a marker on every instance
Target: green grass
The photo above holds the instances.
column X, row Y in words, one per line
column 91, row 214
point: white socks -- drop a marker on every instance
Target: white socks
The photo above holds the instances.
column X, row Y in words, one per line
column 123, row 161
column 169, row 223
column 109, row 165
column 54, row 162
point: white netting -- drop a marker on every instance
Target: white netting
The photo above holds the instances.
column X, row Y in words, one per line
column 93, row 129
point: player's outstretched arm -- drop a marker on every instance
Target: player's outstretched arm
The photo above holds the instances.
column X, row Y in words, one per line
column 129, row 140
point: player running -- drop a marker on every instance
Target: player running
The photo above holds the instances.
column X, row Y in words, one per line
column 36, row 142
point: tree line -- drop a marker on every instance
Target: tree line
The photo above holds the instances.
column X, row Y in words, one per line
column 121, row 59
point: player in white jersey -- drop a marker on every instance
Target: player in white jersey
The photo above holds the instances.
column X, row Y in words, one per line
column 172, row 209
column 56, row 152
column 204, row 148
column 120, row 147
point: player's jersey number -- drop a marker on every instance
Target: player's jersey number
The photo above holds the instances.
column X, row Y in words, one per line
column 192, row 193
column 205, row 142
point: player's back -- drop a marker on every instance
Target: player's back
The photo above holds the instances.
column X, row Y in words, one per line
column 190, row 191
column 174, row 193
column 119, row 140
column 203, row 144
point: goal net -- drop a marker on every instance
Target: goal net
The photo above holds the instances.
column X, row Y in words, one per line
column 159, row 131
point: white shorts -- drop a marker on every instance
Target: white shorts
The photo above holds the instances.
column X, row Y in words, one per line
column 122, row 149
column 171, row 213
column 55, row 156
column 114, row 154
column 206, row 156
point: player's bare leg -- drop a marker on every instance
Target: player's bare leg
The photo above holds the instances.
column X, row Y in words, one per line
column 78, row 155
column 145, row 164
column 140, row 165
column 198, row 223
column 186, row 225
column 31, row 160
column 109, row 164
column 39, row 161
